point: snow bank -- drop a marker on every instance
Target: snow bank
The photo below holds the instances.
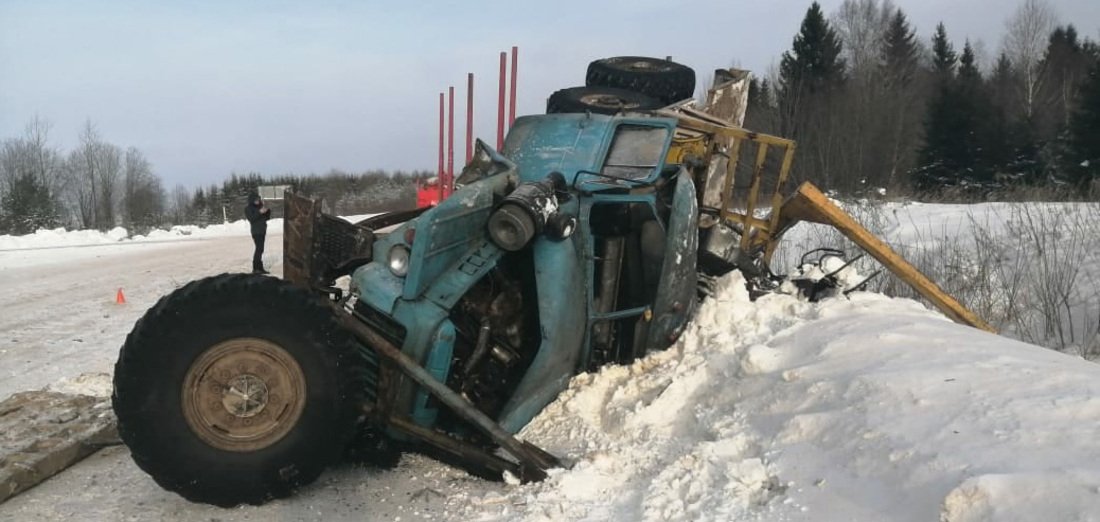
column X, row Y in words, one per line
column 864, row 409
column 60, row 237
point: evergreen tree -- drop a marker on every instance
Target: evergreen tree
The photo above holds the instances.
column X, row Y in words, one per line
column 902, row 90
column 1001, row 138
column 943, row 54
column 810, row 75
column 28, row 206
column 953, row 152
column 813, row 64
column 1065, row 64
column 1084, row 131
column 900, row 55
column 760, row 113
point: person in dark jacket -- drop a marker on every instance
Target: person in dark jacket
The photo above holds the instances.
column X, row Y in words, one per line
column 257, row 215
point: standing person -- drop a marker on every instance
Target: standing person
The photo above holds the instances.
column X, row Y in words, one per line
column 257, row 215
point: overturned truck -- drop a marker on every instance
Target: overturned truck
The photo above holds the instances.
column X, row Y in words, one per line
column 588, row 239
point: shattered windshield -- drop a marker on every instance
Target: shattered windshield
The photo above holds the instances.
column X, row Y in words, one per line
column 635, row 151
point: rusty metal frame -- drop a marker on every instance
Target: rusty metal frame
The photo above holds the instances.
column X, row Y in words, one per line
column 760, row 236
column 756, row 233
column 808, row 203
column 532, row 462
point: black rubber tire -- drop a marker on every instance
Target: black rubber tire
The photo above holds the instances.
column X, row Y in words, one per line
column 665, row 80
column 599, row 100
column 170, row 338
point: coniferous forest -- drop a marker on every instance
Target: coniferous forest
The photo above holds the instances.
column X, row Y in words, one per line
column 878, row 108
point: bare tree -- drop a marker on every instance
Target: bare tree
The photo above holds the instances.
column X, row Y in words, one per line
column 864, row 138
column 109, row 158
column 31, row 155
column 143, row 195
column 82, row 170
column 94, row 169
column 1026, row 40
column 862, row 25
column 180, row 204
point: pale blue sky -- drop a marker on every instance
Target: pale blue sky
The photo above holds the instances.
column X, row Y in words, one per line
column 209, row 88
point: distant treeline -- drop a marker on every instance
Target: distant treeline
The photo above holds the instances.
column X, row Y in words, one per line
column 96, row 185
column 872, row 105
column 100, row 185
column 343, row 193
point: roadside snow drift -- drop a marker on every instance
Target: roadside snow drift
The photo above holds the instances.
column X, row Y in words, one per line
column 862, row 409
column 60, row 237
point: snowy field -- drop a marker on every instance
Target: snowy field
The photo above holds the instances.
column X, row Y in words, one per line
column 867, row 408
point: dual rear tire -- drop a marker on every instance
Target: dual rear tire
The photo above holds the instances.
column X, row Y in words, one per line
column 626, row 83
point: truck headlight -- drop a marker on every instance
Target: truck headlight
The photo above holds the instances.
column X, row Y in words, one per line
column 398, row 260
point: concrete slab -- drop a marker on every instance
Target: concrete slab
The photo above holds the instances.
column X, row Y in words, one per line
column 44, row 432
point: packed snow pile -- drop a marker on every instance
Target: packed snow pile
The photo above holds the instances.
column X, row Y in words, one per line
column 866, row 408
column 95, row 384
column 59, row 237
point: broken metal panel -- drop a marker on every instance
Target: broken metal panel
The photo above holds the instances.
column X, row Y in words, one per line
column 318, row 248
column 727, row 101
column 298, row 227
column 729, row 98
column 42, row 433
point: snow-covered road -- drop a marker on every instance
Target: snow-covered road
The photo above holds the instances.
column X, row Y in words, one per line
column 59, row 309
column 61, row 328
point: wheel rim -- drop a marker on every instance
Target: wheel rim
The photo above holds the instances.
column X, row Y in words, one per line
column 243, row 394
column 643, row 66
column 607, row 101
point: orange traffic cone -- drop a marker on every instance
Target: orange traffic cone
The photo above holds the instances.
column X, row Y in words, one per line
column 119, row 298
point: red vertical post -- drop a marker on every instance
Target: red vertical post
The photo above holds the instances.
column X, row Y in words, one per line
column 469, row 117
column 450, row 141
column 500, row 102
column 512, row 91
column 439, row 172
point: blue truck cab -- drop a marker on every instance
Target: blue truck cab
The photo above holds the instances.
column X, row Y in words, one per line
column 508, row 323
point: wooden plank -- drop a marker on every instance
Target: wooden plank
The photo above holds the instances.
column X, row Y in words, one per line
column 810, row 203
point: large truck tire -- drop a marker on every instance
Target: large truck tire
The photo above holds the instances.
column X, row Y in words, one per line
column 599, row 100
column 665, row 80
column 237, row 389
